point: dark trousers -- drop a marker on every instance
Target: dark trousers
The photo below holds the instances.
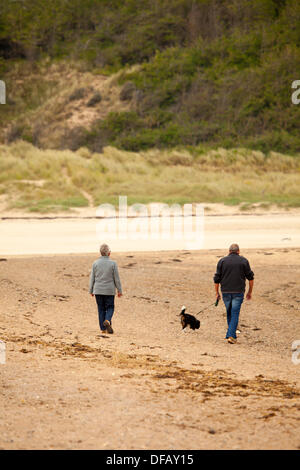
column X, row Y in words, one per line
column 106, row 307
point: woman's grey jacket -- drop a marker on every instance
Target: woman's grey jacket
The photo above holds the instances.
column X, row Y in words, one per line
column 104, row 277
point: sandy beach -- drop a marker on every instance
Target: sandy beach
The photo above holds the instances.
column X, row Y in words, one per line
column 166, row 133
column 80, row 231
column 150, row 385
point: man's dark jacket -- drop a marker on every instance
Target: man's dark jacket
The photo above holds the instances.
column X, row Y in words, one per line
column 232, row 272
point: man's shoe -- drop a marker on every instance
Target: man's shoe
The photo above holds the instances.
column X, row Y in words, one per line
column 108, row 327
column 231, row 340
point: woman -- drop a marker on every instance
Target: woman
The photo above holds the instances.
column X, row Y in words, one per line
column 104, row 280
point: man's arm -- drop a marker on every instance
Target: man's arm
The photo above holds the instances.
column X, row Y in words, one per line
column 217, row 291
column 248, row 271
column 250, row 276
column 217, row 278
column 249, row 293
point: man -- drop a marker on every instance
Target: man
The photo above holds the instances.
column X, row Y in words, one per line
column 232, row 272
column 104, row 280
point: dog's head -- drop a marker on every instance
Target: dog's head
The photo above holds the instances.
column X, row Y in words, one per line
column 182, row 310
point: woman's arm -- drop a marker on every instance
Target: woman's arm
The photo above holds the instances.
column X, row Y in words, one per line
column 92, row 281
column 117, row 279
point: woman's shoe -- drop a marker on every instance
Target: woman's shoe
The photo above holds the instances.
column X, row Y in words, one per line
column 108, row 327
column 231, row 340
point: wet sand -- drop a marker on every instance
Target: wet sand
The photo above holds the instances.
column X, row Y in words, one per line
column 81, row 232
column 150, row 385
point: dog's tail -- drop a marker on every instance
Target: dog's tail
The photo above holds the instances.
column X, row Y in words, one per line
column 182, row 309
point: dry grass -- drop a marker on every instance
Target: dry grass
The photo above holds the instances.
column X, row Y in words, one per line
column 42, row 180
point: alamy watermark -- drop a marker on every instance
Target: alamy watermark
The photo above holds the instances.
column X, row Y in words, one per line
column 296, row 352
column 296, row 94
column 2, row 352
column 157, row 221
column 2, row 92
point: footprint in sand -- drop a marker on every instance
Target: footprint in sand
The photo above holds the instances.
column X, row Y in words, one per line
column 61, row 298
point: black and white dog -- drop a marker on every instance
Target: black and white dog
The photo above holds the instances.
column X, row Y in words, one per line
column 187, row 319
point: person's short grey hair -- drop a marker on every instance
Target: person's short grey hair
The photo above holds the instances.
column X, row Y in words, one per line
column 104, row 249
column 234, row 248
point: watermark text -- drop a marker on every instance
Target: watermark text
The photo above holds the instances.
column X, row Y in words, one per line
column 153, row 222
column 2, row 92
column 296, row 352
column 296, row 93
column 2, row 352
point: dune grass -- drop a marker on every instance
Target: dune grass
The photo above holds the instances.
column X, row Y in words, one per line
column 50, row 180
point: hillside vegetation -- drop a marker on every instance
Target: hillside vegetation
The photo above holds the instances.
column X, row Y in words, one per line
column 188, row 73
column 53, row 180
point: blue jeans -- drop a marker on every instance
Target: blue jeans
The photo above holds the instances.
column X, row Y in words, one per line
column 106, row 307
column 233, row 304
